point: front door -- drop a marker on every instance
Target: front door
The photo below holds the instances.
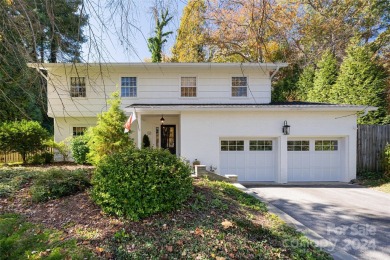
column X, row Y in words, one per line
column 168, row 138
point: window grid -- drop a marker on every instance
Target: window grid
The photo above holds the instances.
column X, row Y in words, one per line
column 234, row 145
column 239, row 86
column 78, row 130
column 326, row 145
column 298, row 145
column 128, row 87
column 77, row 87
column 260, row 145
column 188, row 86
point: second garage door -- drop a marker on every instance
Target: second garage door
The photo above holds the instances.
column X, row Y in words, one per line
column 314, row 159
column 250, row 159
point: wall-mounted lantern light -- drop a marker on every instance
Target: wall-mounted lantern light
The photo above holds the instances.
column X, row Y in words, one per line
column 162, row 119
column 286, row 128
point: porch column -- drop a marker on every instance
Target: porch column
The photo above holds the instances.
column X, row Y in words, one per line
column 283, row 160
column 139, row 135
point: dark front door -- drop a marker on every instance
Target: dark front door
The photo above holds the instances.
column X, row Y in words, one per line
column 168, row 138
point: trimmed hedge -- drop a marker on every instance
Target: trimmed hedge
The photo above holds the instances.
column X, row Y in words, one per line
column 137, row 183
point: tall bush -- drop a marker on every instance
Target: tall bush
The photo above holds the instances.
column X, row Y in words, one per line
column 80, row 149
column 23, row 137
column 139, row 182
column 107, row 136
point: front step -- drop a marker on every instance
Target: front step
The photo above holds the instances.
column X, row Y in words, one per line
column 200, row 171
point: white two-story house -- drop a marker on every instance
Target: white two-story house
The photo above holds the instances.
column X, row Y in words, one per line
column 218, row 113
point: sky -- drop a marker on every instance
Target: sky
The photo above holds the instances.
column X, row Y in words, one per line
column 112, row 40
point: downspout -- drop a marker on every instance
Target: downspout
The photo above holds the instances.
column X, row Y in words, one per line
column 274, row 73
column 364, row 113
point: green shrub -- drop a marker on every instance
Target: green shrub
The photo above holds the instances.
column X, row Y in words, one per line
column 23, row 137
column 145, row 141
column 136, row 183
column 43, row 158
column 80, row 149
column 12, row 180
column 58, row 183
column 35, row 159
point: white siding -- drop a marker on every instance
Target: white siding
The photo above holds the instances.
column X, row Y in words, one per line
column 154, row 86
column 201, row 133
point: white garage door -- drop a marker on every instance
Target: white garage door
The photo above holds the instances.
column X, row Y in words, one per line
column 250, row 159
column 316, row 159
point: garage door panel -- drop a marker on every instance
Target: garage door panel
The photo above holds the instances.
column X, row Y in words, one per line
column 321, row 163
column 252, row 164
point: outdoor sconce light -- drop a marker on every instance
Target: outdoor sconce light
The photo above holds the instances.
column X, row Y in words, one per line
column 286, row 128
column 162, row 119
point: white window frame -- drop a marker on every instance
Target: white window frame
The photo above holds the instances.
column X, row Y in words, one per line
column 241, row 86
column 232, row 144
column 129, row 87
column 189, row 87
column 332, row 146
column 298, row 145
column 260, row 145
column 76, row 129
column 78, row 90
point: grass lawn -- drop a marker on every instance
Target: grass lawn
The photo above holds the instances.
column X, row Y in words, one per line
column 217, row 222
column 374, row 180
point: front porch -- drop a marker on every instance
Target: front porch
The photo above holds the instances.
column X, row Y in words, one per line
column 161, row 133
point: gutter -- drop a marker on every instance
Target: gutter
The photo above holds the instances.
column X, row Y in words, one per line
column 38, row 69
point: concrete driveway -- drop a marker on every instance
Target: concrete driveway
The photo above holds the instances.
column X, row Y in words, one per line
column 348, row 221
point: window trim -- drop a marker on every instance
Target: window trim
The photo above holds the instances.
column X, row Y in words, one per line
column 228, row 145
column 136, row 87
column 231, row 86
column 261, row 145
column 71, row 92
column 196, row 86
column 299, row 140
column 331, row 148
column 82, row 133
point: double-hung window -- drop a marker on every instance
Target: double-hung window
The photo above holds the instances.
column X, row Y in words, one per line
column 188, row 86
column 239, row 86
column 77, row 87
column 128, row 87
column 77, row 130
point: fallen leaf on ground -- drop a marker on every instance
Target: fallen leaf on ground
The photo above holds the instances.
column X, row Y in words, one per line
column 227, row 224
column 199, row 232
column 169, row 248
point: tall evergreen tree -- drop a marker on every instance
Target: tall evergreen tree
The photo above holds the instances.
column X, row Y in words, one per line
column 155, row 43
column 107, row 136
column 190, row 40
column 362, row 81
column 324, row 78
column 305, row 82
column 60, row 34
column 285, row 86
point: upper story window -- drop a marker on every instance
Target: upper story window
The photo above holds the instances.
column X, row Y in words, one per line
column 239, row 86
column 128, row 87
column 188, row 86
column 77, row 87
column 78, row 130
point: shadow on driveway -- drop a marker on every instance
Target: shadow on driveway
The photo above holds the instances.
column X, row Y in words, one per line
column 355, row 219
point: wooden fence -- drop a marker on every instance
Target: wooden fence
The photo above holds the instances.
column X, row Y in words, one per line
column 371, row 142
column 16, row 157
